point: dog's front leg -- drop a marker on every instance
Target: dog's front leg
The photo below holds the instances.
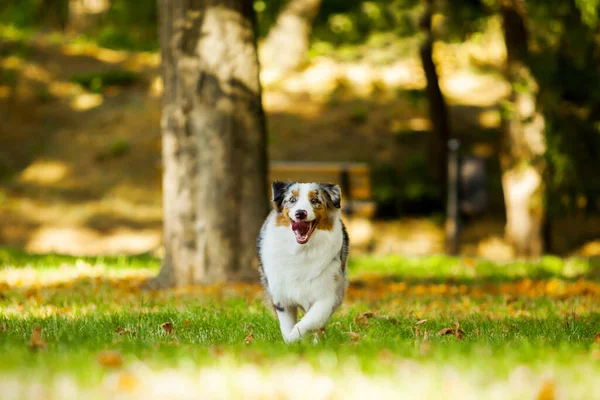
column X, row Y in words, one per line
column 316, row 318
column 287, row 319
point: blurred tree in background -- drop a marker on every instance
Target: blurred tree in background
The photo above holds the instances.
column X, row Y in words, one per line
column 286, row 46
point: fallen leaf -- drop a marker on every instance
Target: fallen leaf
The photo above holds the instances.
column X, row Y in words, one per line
column 167, row 327
column 110, row 358
column 125, row 331
column 385, row 355
column 249, row 339
column 459, row 334
column 363, row 319
column 37, row 342
column 367, row 314
column 597, row 338
column 420, row 322
column 547, row 391
column 216, row 350
column 353, row 336
column 128, row 382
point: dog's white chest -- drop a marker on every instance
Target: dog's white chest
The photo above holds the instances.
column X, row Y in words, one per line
column 301, row 274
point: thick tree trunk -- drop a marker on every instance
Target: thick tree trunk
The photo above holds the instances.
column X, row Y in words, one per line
column 214, row 142
column 438, row 110
column 523, row 142
column 286, row 45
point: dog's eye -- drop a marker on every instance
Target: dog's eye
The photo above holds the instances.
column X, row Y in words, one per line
column 292, row 200
column 315, row 201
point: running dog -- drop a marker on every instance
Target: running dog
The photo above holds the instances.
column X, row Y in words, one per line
column 303, row 250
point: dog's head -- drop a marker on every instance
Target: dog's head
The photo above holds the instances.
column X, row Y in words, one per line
column 305, row 207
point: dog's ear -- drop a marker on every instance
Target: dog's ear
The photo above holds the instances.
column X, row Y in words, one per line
column 334, row 193
column 279, row 188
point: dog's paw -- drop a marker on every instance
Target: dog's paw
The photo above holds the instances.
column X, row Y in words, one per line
column 293, row 336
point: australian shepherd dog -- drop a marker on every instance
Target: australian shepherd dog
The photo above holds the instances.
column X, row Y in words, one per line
column 303, row 249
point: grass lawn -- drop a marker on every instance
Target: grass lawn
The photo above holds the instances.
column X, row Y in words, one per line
column 526, row 331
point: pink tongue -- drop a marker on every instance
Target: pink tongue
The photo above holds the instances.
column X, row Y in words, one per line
column 300, row 227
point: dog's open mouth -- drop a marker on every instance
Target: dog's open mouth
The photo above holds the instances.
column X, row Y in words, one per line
column 303, row 230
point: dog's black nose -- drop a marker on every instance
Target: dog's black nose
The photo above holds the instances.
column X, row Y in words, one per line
column 301, row 214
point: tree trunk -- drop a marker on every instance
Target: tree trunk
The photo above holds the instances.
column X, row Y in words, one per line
column 438, row 111
column 214, row 142
column 523, row 142
column 286, row 45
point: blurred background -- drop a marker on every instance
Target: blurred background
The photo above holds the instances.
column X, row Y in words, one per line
column 384, row 83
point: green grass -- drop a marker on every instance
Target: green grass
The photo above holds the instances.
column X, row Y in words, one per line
column 526, row 325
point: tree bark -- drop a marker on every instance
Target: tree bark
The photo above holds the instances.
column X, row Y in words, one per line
column 286, row 45
column 214, row 142
column 438, row 110
column 523, row 142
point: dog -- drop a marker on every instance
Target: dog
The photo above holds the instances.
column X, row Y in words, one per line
column 303, row 251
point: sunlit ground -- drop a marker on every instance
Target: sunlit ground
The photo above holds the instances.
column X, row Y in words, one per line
column 434, row 327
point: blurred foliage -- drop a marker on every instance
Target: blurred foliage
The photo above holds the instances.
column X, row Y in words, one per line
column 565, row 62
column 98, row 81
column 341, row 22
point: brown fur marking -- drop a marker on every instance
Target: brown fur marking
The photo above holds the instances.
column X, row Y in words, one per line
column 324, row 221
column 283, row 219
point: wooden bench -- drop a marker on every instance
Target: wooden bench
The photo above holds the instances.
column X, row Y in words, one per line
column 353, row 178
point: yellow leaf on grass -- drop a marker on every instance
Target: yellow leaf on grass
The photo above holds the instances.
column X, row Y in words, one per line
column 420, row 322
column 110, row 358
column 547, row 391
column 128, row 382
column 37, row 342
column 216, row 350
column 167, row 327
column 249, row 339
